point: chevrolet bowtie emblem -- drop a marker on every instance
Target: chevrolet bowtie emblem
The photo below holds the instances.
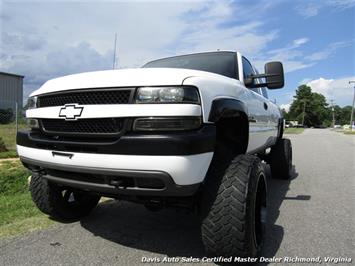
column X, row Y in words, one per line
column 71, row 111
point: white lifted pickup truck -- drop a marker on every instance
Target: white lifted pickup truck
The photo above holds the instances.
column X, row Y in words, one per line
column 185, row 131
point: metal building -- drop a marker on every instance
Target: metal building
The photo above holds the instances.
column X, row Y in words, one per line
column 11, row 90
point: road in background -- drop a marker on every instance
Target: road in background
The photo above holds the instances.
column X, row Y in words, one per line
column 312, row 215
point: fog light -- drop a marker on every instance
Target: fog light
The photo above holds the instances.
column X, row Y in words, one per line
column 32, row 123
column 167, row 123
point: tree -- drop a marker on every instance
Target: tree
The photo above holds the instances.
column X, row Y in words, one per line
column 312, row 105
column 317, row 111
column 345, row 114
column 285, row 114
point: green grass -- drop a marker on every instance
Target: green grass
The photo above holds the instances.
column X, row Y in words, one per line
column 8, row 135
column 18, row 214
column 294, row 130
column 8, row 154
column 13, row 178
column 349, row 132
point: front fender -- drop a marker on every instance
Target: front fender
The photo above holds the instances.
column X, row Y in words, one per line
column 226, row 107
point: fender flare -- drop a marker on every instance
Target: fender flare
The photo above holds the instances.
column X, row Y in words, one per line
column 226, row 107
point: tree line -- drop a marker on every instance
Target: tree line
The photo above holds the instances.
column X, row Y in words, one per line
column 313, row 109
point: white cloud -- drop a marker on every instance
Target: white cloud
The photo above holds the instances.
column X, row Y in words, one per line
column 40, row 43
column 299, row 42
column 304, row 81
column 285, row 106
column 338, row 90
column 328, row 51
column 341, row 4
column 313, row 8
column 308, row 10
column 291, row 56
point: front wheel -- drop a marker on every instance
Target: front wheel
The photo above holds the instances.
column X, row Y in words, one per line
column 233, row 208
column 59, row 202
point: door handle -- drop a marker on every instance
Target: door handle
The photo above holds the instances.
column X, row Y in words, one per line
column 265, row 106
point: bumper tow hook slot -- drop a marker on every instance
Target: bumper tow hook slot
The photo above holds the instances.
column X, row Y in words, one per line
column 69, row 155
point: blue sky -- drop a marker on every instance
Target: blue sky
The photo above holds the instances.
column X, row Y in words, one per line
column 314, row 39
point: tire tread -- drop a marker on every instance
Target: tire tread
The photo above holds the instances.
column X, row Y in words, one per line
column 224, row 229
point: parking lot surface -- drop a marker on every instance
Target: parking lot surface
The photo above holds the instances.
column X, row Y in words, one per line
column 309, row 216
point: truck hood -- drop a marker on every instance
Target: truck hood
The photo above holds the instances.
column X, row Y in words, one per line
column 123, row 78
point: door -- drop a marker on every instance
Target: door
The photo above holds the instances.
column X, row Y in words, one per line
column 258, row 108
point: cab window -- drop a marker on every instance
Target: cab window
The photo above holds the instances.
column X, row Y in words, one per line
column 248, row 71
column 247, row 68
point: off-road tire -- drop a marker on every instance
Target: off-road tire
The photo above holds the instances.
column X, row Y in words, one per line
column 233, row 207
column 50, row 200
column 280, row 159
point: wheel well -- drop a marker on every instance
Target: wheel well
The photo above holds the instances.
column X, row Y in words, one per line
column 234, row 132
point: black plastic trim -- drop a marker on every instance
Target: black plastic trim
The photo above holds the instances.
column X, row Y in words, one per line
column 157, row 143
column 271, row 141
column 125, row 126
column 131, row 88
column 226, row 107
column 169, row 189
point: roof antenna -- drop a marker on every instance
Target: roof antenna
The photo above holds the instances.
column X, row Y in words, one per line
column 114, row 52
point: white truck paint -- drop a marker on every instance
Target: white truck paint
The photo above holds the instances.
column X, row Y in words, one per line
column 185, row 170
column 263, row 125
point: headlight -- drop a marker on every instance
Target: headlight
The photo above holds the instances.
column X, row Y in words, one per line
column 32, row 103
column 172, row 94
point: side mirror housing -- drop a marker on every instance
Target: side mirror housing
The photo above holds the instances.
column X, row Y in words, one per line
column 274, row 75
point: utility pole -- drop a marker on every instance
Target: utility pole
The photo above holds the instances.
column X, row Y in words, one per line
column 352, row 109
column 304, row 111
column 114, row 53
column 332, row 105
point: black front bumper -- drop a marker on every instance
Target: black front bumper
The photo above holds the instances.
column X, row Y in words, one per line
column 113, row 182
column 179, row 143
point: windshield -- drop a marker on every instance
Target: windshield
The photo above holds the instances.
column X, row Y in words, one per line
column 223, row 63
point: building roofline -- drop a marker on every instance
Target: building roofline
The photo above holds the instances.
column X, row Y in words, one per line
column 11, row 74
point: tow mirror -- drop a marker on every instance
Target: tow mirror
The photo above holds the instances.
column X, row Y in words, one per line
column 274, row 77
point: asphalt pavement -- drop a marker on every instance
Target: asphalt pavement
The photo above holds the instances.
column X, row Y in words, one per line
column 310, row 216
